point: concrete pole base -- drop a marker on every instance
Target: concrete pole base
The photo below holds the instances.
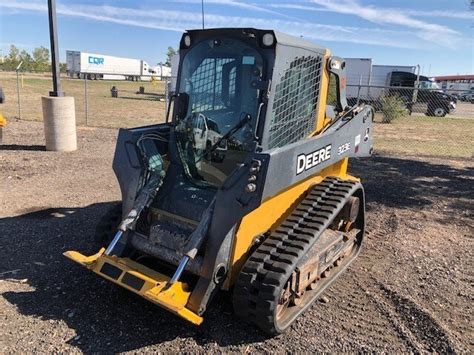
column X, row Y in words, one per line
column 59, row 116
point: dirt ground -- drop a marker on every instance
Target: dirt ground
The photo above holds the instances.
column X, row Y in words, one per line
column 411, row 289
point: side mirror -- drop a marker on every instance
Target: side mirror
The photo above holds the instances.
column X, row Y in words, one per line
column 182, row 104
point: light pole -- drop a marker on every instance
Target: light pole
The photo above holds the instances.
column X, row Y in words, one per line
column 202, row 13
column 59, row 113
column 53, row 38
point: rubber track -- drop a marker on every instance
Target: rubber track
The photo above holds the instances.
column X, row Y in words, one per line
column 266, row 271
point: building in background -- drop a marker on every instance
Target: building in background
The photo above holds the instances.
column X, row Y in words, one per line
column 455, row 83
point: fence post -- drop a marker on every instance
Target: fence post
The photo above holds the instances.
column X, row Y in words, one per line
column 415, row 91
column 358, row 89
column 18, row 88
column 86, row 106
column 167, row 95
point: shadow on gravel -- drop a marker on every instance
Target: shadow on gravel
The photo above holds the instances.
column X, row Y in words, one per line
column 38, row 148
column 108, row 318
column 105, row 317
column 148, row 97
column 406, row 183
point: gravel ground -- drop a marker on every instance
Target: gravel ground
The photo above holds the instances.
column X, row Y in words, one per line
column 409, row 291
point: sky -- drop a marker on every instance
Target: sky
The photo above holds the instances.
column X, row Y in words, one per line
column 435, row 34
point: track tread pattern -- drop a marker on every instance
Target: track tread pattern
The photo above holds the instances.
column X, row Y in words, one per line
column 266, row 271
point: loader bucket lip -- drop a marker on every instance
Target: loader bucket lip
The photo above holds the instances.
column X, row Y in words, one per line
column 82, row 259
column 141, row 280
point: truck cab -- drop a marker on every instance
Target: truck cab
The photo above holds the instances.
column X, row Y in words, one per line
column 430, row 99
column 206, row 134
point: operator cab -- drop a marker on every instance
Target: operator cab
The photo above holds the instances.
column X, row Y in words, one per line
column 236, row 98
column 221, row 93
column 220, row 85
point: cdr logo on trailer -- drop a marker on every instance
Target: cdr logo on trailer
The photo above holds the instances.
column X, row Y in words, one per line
column 96, row 60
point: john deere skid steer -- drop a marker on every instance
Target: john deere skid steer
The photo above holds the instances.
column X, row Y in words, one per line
column 245, row 187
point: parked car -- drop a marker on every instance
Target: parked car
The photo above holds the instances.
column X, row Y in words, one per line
column 467, row 96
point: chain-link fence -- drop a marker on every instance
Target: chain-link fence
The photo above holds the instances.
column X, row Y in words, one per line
column 122, row 103
column 419, row 121
column 408, row 121
column 100, row 103
column 429, row 102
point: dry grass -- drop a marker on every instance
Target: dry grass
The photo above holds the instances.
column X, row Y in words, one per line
column 417, row 134
column 420, row 135
column 130, row 109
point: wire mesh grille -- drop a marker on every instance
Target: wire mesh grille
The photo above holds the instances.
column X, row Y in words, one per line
column 207, row 84
column 296, row 99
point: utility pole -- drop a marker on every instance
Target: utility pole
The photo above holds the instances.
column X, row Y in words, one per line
column 202, row 12
column 53, row 38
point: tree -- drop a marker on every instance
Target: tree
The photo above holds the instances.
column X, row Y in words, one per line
column 12, row 59
column 38, row 60
column 41, row 59
column 15, row 57
column 170, row 53
column 14, row 53
column 27, row 60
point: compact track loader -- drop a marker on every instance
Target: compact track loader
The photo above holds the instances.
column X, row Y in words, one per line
column 245, row 187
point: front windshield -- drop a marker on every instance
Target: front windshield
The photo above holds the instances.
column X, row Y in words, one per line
column 220, row 77
column 429, row 85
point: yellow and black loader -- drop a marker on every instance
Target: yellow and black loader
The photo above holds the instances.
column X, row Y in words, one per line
column 245, row 186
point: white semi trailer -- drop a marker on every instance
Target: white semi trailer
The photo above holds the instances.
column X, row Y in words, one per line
column 361, row 71
column 98, row 66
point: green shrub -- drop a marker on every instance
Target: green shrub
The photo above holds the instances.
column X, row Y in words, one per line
column 392, row 107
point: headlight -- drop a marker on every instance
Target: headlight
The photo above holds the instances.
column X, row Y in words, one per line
column 335, row 64
column 268, row 39
column 187, row 40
